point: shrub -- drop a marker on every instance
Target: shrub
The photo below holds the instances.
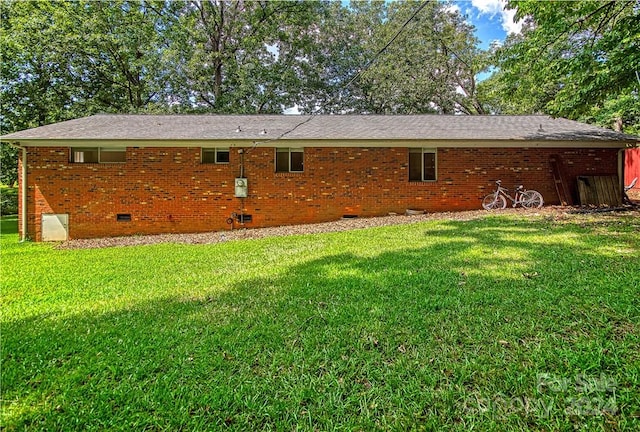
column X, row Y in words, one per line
column 8, row 201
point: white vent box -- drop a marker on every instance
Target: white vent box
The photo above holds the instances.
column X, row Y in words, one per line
column 55, row 227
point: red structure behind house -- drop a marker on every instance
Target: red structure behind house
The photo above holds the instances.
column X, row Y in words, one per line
column 632, row 167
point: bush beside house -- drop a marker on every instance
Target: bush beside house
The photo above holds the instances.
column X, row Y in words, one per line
column 8, row 200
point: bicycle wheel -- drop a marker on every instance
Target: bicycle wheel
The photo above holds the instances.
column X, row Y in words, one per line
column 494, row 202
column 531, row 199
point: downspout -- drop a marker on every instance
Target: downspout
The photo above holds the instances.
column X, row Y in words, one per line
column 241, row 151
column 23, row 192
column 622, row 153
column 242, row 176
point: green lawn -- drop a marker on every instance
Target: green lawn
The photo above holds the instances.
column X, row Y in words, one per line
column 493, row 324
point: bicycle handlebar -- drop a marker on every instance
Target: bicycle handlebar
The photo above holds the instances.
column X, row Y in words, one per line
column 518, row 188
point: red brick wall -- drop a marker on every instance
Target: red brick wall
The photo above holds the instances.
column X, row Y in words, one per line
column 169, row 190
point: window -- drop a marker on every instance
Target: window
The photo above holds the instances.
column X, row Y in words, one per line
column 289, row 160
column 215, row 155
column 85, row 155
column 422, row 164
column 106, row 155
column 98, row 155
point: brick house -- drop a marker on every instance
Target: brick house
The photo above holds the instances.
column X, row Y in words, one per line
column 110, row 175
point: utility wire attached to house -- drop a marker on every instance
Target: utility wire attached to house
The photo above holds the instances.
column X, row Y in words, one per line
column 366, row 67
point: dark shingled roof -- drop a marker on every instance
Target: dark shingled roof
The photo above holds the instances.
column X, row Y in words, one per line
column 320, row 127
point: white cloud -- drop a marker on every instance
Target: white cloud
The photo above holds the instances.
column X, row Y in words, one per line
column 453, row 8
column 489, row 7
column 292, row 110
column 496, row 8
column 508, row 23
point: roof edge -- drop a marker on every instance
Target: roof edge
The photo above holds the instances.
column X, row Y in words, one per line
column 364, row 143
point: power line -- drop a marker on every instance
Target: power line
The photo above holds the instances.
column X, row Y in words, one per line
column 392, row 40
column 353, row 79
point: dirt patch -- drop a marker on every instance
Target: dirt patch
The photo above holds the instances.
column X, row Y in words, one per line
column 552, row 212
column 634, row 194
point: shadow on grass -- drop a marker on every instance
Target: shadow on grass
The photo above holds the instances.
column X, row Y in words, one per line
column 384, row 341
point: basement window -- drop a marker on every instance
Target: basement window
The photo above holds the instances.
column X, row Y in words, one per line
column 289, row 160
column 84, row 155
column 98, row 155
column 422, row 164
column 123, row 217
column 245, row 218
column 215, row 155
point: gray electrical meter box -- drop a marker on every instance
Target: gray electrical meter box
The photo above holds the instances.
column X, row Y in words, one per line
column 242, row 188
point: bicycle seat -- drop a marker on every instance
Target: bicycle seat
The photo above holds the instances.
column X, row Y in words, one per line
column 520, row 187
column 498, row 182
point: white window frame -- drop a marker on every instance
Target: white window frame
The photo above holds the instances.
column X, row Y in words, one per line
column 216, row 151
column 422, row 152
column 77, row 154
column 289, row 150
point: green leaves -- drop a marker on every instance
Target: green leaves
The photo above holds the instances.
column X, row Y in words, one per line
column 62, row 60
column 8, row 165
column 572, row 60
column 429, row 68
column 241, row 57
column 69, row 59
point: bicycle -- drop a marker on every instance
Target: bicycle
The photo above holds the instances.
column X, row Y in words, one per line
column 526, row 198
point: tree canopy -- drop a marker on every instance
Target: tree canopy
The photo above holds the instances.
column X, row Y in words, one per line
column 578, row 59
column 68, row 59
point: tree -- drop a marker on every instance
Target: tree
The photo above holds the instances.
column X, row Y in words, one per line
column 240, row 56
column 341, row 48
column 115, row 60
column 430, row 67
column 33, row 86
column 64, row 60
column 577, row 59
column 8, row 164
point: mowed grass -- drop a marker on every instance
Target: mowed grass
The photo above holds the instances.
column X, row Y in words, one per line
column 514, row 322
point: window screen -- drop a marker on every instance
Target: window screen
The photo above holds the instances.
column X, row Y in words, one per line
column 215, row 155
column 289, row 160
column 85, row 155
column 98, row 155
column 422, row 164
column 297, row 160
column 222, row 155
column 107, row 155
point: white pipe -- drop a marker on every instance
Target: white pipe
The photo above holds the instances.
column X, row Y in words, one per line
column 23, row 193
column 621, row 172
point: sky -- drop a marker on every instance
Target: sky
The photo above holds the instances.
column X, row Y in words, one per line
column 493, row 23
